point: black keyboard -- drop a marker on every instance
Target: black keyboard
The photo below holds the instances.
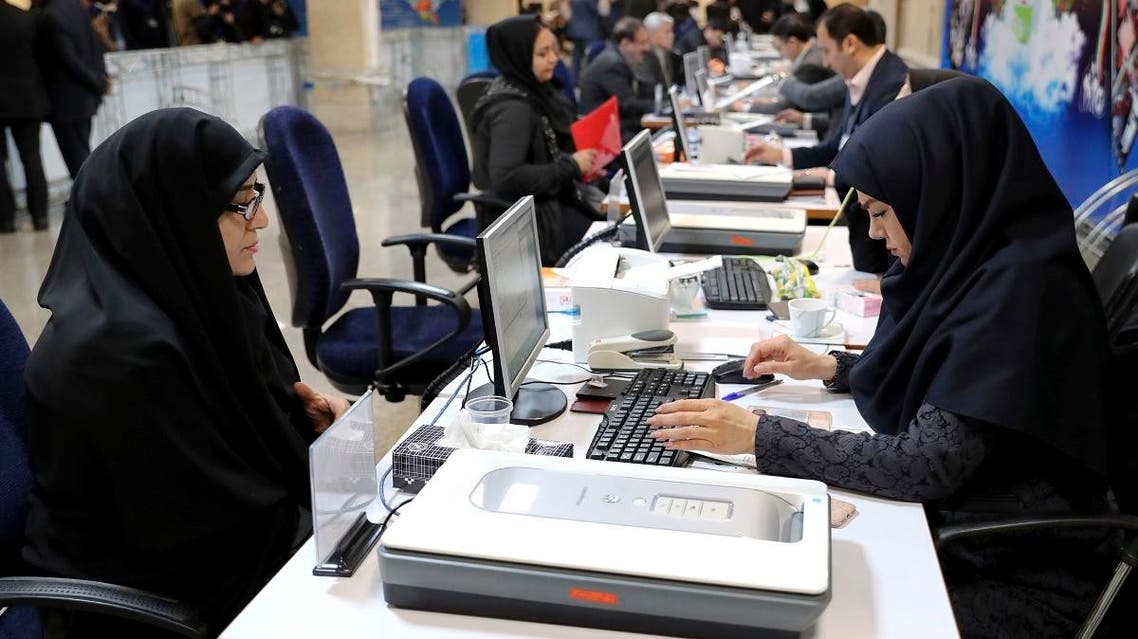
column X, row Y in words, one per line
column 624, row 432
column 741, row 285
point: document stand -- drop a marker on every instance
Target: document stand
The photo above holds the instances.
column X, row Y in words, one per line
column 342, row 472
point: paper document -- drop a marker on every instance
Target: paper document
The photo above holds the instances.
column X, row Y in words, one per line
column 690, row 269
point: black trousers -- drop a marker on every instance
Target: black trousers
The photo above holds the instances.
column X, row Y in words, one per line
column 74, row 140
column 26, row 133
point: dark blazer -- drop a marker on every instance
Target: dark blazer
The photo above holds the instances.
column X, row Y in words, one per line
column 693, row 40
column 71, row 60
column 22, row 94
column 883, row 86
column 610, row 75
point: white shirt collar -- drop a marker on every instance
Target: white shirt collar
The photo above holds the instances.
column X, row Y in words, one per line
column 860, row 81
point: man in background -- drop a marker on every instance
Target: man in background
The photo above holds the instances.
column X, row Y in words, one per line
column 23, row 106
column 659, row 66
column 71, row 60
column 611, row 75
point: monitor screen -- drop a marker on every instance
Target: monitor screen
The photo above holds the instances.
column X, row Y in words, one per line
column 678, row 123
column 704, row 57
column 691, row 65
column 513, row 300
column 706, row 93
column 646, row 193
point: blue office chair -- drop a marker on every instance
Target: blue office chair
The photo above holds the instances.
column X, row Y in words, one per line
column 23, row 594
column 564, row 77
column 593, row 50
column 442, row 171
column 398, row 349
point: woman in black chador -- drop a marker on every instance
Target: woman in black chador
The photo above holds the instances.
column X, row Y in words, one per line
column 985, row 397
column 168, row 431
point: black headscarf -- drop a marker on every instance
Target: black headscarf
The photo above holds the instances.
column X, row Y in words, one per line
column 165, row 437
column 924, row 78
column 995, row 317
column 510, row 44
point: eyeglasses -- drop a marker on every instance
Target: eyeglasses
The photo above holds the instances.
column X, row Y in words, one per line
column 250, row 208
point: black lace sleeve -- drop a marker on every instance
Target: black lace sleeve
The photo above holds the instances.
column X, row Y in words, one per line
column 840, row 382
column 930, row 461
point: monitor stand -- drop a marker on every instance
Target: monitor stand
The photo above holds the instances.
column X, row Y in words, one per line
column 534, row 404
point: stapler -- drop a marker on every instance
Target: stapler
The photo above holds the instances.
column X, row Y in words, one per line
column 645, row 349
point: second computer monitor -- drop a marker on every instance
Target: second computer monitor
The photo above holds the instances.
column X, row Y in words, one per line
column 691, row 65
column 512, row 300
column 683, row 145
column 645, row 192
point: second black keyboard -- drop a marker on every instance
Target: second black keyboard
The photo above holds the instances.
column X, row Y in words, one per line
column 741, row 285
column 624, row 433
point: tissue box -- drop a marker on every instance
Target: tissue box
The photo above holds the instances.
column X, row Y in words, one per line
column 860, row 304
column 415, row 459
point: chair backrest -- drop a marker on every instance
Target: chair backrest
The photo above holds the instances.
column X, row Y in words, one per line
column 311, row 195
column 1116, row 278
column 564, row 76
column 593, row 50
column 469, row 91
column 441, row 166
column 15, row 478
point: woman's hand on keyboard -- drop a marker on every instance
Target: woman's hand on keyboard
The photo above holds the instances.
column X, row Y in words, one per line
column 782, row 354
column 705, row 424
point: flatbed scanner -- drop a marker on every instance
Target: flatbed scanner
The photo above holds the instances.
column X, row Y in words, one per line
column 682, row 552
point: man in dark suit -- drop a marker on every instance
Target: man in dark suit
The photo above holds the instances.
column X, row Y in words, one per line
column 75, row 75
column 23, row 106
column 611, row 75
column 659, row 66
column 851, row 45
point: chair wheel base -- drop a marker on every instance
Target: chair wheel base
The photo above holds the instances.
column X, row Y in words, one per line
column 393, row 393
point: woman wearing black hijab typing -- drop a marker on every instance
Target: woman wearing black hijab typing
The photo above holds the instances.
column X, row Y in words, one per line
column 524, row 143
column 168, row 432
column 985, row 398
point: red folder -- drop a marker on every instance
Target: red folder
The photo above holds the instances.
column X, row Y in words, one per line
column 600, row 131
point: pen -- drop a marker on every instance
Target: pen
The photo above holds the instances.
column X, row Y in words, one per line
column 730, row 397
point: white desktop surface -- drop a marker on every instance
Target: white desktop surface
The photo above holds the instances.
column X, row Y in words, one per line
column 886, row 579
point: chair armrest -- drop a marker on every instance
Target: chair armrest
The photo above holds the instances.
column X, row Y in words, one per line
column 382, row 290
column 102, row 598
column 425, row 239
column 953, row 532
column 417, row 244
column 483, row 199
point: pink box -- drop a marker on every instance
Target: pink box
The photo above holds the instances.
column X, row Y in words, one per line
column 860, row 304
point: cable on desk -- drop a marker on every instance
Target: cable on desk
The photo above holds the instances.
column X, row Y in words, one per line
column 563, row 345
column 387, row 519
column 602, row 234
column 837, row 216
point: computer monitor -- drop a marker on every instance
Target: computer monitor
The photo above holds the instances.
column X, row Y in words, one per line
column 645, row 193
column 683, row 145
column 691, row 65
column 512, row 299
column 704, row 53
column 705, row 90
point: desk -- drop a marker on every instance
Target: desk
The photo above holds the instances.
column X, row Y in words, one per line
column 886, row 580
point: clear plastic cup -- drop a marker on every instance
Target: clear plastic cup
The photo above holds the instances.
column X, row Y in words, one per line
column 486, row 423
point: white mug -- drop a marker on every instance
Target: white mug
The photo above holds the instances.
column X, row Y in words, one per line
column 809, row 316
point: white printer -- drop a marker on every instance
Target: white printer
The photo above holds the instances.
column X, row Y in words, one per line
column 618, row 292
column 684, row 552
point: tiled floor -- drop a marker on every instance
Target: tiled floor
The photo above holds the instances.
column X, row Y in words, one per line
column 380, row 174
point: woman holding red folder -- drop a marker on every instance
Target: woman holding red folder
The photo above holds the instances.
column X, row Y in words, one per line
column 524, row 146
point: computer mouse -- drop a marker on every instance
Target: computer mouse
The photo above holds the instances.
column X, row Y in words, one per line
column 731, row 373
column 810, row 265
